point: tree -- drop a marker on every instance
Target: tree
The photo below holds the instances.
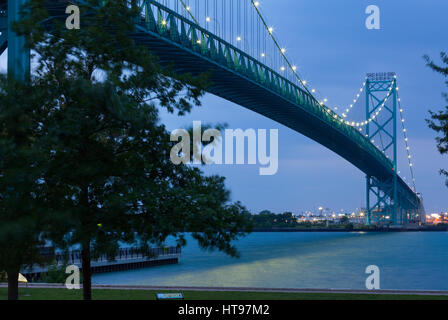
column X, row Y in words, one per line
column 265, row 219
column 439, row 120
column 349, row 226
column 23, row 217
column 109, row 173
column 344, row 220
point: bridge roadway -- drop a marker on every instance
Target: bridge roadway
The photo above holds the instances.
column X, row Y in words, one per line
column 235, row 82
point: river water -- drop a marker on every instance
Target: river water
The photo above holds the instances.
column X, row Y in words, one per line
column 407, row 260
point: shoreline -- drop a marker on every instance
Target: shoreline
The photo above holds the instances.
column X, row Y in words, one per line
column 240, row 289
column 440, row 229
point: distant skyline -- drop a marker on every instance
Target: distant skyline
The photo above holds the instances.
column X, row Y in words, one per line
column 333, row 50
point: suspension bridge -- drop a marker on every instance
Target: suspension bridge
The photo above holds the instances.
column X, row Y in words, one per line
column 233, row 41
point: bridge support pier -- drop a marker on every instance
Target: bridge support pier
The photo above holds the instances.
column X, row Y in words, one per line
column 381, row 114
column 381, row 207
column 18, row 53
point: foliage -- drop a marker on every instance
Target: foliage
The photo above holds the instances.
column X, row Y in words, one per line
column 439, row 120
column 267, row 220
column 343, row 220
column 349, row 226
column 55, row 274
column 3, row 276
column 24, row 213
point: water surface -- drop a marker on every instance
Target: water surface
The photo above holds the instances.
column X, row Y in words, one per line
column 407, row 260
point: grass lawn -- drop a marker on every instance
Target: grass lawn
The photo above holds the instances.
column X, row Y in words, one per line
column 64, row 294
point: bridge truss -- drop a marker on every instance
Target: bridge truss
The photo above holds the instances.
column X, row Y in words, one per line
column 385, row 201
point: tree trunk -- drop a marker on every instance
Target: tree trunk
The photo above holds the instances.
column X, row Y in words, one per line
column 86, row 272
column 13, row 285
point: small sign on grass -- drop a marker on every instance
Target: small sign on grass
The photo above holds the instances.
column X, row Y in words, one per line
column 170, row 296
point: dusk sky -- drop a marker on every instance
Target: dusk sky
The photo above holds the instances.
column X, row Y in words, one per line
column 333, row 50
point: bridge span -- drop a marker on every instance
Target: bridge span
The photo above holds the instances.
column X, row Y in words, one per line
column 178, row 39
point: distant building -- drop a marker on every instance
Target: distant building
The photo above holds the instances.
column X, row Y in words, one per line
column 437, row 218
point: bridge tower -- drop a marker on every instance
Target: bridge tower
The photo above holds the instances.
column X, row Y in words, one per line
column 18, row 54
column 381, row 113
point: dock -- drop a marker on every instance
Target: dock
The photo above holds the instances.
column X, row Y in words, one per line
column 126, row 259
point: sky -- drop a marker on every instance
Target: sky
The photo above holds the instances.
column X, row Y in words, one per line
column 333, row 50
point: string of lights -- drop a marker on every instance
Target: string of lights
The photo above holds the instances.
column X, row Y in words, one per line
column 375, row 114
column 282, row 51
column 293, row 68
column 270, row 32
column 355, row 100
column 188, row 9
column 406, row 141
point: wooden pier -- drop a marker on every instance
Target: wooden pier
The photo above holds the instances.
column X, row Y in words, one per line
column 126, row 259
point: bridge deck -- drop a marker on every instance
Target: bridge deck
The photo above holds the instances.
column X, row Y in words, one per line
column 242, row 79
column 239, row 78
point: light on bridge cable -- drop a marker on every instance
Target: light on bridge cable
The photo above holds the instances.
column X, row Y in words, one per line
column 375, row 114
column 406, row 142
column 354, row 101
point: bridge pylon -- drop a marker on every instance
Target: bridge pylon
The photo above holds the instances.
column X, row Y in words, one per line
column 18, row 53
column 381, row 115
